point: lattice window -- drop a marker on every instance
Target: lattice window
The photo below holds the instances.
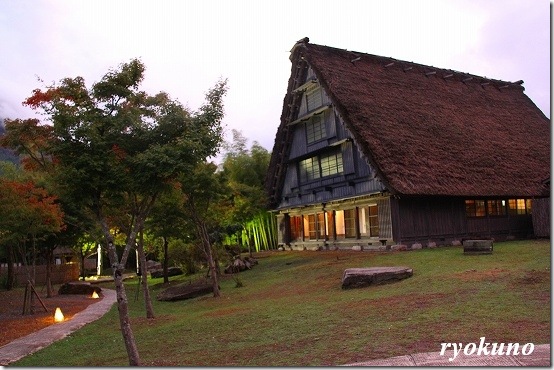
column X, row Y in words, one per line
column 315, row 129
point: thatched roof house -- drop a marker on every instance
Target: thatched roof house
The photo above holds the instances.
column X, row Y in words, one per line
column 410, row 136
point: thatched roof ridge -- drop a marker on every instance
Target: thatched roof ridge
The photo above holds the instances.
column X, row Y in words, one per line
column 427, row 130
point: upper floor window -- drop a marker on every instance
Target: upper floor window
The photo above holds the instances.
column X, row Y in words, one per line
column 325, row 164
column 331, row 164
column 315, row 128
column 313, row 99
column 309, row 169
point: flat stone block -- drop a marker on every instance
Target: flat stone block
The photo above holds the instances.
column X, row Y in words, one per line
column 76, row 287
column 478, row 246
column 185, row 291
column 365, row 276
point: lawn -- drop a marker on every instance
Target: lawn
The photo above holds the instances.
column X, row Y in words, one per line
column 292, row 311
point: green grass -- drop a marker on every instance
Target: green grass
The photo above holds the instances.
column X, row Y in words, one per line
column 293, row 312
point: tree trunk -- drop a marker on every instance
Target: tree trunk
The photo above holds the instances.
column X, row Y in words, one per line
column 166, row 259
column 50, row 255
column 10, row 282
column 144, row 276
column 34, row 274
column 124, row 322
column 204, row 236
column 82, row 255
column 122, row 302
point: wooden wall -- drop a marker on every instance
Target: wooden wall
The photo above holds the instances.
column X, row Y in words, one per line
column 541, row 217
column 443, row 219
column 59, row 274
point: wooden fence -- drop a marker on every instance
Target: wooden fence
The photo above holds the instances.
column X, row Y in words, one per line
column 59, row 274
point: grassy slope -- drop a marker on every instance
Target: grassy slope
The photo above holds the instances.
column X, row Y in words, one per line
column 292, row 311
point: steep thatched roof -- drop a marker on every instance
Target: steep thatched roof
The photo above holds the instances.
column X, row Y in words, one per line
column 427, row 131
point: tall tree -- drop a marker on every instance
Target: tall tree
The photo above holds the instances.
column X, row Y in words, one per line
column 202, row 198
column 114, row 144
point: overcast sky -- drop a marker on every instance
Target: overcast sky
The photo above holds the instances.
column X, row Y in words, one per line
column 188, row 45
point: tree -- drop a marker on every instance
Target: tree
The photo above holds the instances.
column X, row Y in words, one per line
column 245, row 171
column 27, row 212
column 166, row 221
column 202, row 196
column 115, row 145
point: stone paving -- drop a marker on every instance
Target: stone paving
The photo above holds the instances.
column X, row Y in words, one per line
column 31, row 343
column 538, row 358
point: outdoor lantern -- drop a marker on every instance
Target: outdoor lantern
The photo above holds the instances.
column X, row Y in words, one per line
column 95, row 295
column 58, row 315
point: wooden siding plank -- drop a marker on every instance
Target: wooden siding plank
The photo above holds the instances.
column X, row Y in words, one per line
column 384, row 216
column 348, row 158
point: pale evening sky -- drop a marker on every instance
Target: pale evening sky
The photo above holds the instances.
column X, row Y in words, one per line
column 187, row 45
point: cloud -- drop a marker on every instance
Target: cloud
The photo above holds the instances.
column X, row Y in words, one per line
column 188, row 45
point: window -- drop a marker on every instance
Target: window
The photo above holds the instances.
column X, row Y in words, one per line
column 330, row 224
column 496, row 207
column 345, row 223
column 315, row 128
column 314, row 226
column 331, row 164
column 519, row 206
column 296, row 227
column 320, row 226
column 309, row 169
column 475, row 208
column 320, row 166
column 369, row 221
column 309, row 226
column 339, row 223
column 313, row 99
column 350, row 223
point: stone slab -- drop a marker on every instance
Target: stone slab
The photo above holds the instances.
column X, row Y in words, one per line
column 478, row 246
column 365, row 276
column 540, row 357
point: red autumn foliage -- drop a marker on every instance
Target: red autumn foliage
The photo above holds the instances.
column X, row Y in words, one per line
column 25, row 203
column 38, row 98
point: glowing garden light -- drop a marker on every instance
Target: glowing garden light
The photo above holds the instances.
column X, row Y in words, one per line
column 58, row 315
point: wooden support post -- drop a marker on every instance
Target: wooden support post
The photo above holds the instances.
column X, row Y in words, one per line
column 36, row 294
column 27, row 302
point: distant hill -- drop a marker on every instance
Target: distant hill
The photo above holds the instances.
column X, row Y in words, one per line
column 6, row 154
